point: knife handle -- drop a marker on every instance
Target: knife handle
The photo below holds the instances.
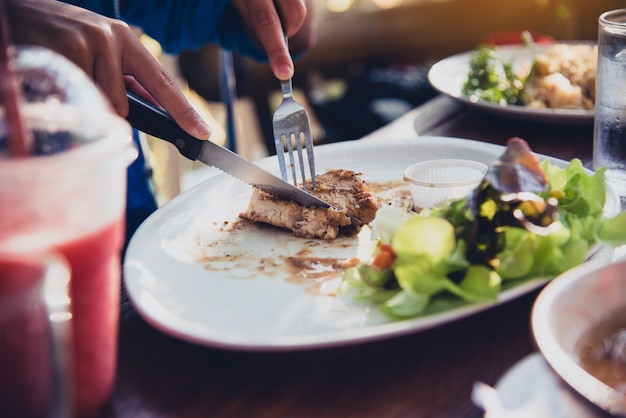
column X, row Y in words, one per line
column 150, row 119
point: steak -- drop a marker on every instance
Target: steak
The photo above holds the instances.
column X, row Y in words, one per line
column 343, row 189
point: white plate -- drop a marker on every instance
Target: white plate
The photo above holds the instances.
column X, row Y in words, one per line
column 192, row 277
column 448, row 76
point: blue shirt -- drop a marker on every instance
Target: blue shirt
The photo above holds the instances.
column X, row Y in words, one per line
column 183, row 24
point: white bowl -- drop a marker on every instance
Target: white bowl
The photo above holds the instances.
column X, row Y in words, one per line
column 435, row 182
column 565, row 310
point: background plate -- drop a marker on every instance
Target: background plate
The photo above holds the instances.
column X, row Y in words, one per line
column 448, row 76
column 193, row 272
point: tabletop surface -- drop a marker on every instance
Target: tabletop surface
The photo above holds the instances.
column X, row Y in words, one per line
column 428, row 374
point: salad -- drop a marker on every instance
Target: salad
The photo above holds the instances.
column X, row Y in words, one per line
column 492, row 79
column 525, row 220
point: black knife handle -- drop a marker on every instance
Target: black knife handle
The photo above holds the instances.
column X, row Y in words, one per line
column 150, row 119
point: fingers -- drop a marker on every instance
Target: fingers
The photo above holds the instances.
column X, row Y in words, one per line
column 269, row 21
column 107, row 70
column 161, row 87
column 133, row 86
column 108, row 51
column 306, row 36
column 292, row 15
column 121, row 57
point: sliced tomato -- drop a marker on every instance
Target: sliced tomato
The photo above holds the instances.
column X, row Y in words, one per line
column 385, row 257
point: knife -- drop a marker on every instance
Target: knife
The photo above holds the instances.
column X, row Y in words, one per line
column 156, row 122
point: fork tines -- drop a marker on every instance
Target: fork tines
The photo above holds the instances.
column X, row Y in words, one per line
column 291, row 130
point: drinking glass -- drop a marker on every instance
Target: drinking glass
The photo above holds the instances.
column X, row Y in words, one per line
column 609, row 142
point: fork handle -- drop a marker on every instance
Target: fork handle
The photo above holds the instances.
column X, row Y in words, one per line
column 286, row 85
column 286, row 88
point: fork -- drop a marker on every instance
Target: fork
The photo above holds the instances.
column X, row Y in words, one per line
column 291, row 125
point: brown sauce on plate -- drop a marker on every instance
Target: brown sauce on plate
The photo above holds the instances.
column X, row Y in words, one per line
column 311, row 263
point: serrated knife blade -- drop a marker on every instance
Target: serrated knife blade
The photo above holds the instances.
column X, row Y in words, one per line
column 154, row 121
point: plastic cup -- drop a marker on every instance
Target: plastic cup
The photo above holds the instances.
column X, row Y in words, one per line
column 69, row 198
column 435, row 182
column 35, row 336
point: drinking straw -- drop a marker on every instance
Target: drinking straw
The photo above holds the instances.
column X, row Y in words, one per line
column 9, row 92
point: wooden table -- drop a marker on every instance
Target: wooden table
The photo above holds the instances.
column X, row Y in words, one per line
column 428, row 374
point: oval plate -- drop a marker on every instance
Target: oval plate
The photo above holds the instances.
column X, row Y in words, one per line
column 194, row 272
column 448, row 76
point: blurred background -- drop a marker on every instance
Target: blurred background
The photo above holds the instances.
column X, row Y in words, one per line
column 369, row 66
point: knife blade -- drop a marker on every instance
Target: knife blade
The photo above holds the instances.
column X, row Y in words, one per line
column 156, row 122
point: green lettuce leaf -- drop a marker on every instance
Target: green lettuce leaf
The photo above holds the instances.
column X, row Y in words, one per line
column 431, row 272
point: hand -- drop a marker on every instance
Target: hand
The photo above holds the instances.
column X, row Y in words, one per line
column 108, row 51
column 269, row 20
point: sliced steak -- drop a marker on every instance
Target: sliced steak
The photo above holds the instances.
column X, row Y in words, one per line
column 344, row 189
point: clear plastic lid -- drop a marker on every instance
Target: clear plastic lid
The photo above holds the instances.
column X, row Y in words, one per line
column 61, row 107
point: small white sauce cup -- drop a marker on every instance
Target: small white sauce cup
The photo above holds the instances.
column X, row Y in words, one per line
column 435, row 182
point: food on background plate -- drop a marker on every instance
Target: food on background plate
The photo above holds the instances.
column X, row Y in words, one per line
column 525, row 220
column 563, row 77
column 344, row 189
column 560, row 76
column 491, row 79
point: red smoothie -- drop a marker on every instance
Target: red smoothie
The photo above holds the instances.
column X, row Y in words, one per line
column 95, row 289
column 26, row 363
column 25, row 349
